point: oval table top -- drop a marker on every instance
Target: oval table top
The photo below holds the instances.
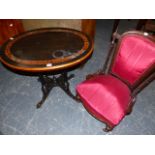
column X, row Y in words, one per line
column 48, row 49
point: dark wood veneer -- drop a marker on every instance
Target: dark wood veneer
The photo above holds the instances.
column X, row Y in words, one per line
column 77, row 43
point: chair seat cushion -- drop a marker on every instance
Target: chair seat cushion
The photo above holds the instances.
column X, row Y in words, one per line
column 105, row 97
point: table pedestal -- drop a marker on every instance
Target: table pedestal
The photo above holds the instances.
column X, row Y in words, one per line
column 48, row 83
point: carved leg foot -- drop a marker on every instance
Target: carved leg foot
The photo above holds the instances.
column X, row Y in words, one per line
column 39, row 104
column 108, row 128
column 129, row 111
column 78, row 98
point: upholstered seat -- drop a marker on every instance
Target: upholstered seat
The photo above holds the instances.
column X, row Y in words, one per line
column 110, row 94
column 106, row 97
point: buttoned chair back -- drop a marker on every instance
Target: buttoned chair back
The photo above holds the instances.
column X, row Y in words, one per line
column 110, row 94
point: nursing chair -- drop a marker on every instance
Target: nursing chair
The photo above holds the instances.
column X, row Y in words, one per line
column 110, row 94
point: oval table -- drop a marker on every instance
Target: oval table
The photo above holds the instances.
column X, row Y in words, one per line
column 48, row 50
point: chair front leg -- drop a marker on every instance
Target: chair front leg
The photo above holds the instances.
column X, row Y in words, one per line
column 78, row 99
column 108, row 128
column 89, row 76
column 129, row 110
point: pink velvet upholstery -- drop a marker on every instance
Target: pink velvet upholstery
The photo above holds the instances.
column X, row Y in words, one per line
column 135, row 55
column 106, row 97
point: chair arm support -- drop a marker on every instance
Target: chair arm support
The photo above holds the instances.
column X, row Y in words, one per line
column 99, row 72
